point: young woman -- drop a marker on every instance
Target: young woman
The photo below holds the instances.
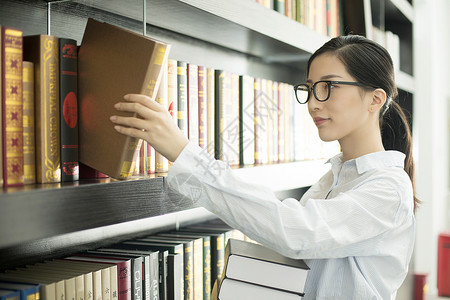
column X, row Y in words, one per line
column 355, row 226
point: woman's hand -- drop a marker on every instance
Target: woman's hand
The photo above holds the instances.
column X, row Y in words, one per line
column 155, row 125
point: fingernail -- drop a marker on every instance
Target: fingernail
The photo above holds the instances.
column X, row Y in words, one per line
column 117, row 105
column 126, row 97
column 113, row 118
column 117, row 128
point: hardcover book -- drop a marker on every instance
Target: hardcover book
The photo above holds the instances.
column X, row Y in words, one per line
column 12, row 106
column 256, row 264
column 68, row 74
column 113, row 62
column 29, row 152
column 43, row 51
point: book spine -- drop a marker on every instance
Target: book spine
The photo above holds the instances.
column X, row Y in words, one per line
column 154, row 277
column 281, row 113
column 233, row 122
column 162, row 164
column 137, row 275
column 188, row 271
column 12, row 106
column 68, row 74
column 42, row 50
column 269, row 121
column 257, row 121
column 202, row 108
column 182, row 97
column 218, row 262
column 206, row 268
column 172, row 89
column 192, row 101
column 28, row 123
column 210, row 93
column 198, row 268
column 175, row 285
column 143, row 159
column 246, row 123
column 224, row 117
column 274, row 113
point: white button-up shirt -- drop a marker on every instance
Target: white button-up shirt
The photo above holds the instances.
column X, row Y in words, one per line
column 354, row 227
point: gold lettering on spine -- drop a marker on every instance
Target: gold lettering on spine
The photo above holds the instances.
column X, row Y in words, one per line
column 50, row 109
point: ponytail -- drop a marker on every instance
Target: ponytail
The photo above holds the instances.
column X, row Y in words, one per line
column 396, row 135
column 371, row 65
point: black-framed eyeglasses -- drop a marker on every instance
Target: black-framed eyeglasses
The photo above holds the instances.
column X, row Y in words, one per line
column 321, row 90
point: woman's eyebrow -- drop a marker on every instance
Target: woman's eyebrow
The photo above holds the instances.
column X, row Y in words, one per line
column 325, row 77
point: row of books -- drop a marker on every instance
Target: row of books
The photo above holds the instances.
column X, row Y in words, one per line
column 182, row 264
column 323, row 16
column 241, row 119
column 56, row 113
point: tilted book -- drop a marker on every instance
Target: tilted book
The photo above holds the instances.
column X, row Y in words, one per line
column 42, row 50
column 113, row 62
column 11, row 45
column 256, row 264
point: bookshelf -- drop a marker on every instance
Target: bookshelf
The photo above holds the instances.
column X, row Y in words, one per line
column 43, row 221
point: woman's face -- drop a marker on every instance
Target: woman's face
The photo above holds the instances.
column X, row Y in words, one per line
column 345, row 115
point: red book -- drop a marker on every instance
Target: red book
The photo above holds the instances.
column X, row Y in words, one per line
column 12, row 106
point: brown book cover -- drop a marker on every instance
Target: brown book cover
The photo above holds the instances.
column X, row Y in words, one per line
column 12, row 106
column 28, row 123
column 42, row 50
column 113, row 62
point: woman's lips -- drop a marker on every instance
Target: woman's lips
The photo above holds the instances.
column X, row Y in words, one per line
column 319, row 120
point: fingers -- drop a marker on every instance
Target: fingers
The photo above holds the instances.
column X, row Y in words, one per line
column 144, row 100
column 133, row 122
column 133, row 132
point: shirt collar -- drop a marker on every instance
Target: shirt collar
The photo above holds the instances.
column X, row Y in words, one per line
column 375, row 160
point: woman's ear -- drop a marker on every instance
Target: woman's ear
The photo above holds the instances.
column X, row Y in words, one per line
column 378, row 100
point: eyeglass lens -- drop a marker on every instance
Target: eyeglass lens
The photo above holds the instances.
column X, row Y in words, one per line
column 321, row 91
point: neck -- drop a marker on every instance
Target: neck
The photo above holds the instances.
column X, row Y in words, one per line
column 354, row 147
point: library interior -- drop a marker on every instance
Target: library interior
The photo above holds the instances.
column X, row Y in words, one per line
column 80, row 202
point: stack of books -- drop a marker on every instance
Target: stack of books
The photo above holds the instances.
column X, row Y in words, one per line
column 253, row 271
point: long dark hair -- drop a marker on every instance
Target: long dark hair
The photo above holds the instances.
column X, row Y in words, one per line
column 371, row 64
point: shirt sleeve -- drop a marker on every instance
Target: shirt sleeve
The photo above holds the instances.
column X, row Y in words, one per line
column 350, row 224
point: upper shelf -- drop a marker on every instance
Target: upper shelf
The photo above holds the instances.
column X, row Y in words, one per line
column 239, row 25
